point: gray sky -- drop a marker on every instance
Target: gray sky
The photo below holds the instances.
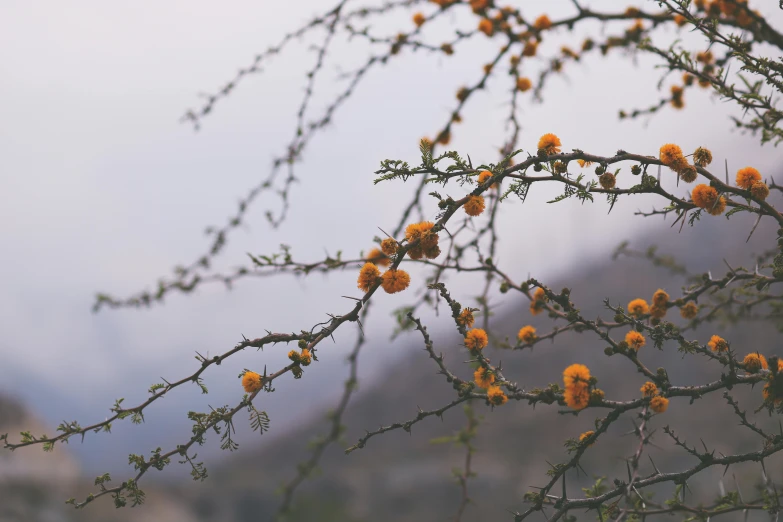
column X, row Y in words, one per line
column 102, row 189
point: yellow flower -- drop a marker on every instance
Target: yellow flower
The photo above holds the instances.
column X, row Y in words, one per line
column 649, row 389
column 305, row 358
column 474, row 206
column 584, row 163
column 251, row 382
column 747, row 176
column 596, row 396
column 638, row 308
column 368, row 276
column 294, row 356
column 466, row 318
column 377, row 257
column 635, row 340
column 718, row 344
column 549, row 143
column 659, row 404
column 576, row 375
column 577, row 397
column 527, row 334
column 689, row 310
column 483, row 377
column 476, row 339
column 754, row 362
column 496, row 396
column 394, row 280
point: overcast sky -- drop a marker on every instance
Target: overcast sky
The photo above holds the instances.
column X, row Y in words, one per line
column 102, row 189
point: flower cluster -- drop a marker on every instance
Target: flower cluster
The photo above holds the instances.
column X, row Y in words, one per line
column 427, row 245
column 577, row 381
column 539, row 301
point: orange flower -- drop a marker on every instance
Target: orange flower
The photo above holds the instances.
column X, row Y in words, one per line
column 483, row 377
column 754, row 362
column 660, row 298
column 584, row 163
column 718, row 344
column 305, row 357
column 394, row 280
column 428, row 240
column 419, row 19
column 702, row 157
column 659, row 404
column 476, row 339
column 759, row 190
column 689, row 310
column 607, row 180
column 773, row 390
column 688, row 173
column 484, row 175
column 649, row 389
column 389, row 246
column 474, row 206
column 680, row 20
column 251, row 382
column 586, row 435
column 524, row 84
column 706, row 197
column 478, row 5
column 747, row 176
column 542, row 22
column 496, row 396
column 466, row 318
column 378, row 258
column 527, row 334
column 577, row 397
column 635, row 340
column 537, row 304
column 677, row 101
column 705, row 57
column 638, row 308
column 576, row 375
column 658, row 312
column 671, row 154
column 486, row 27
column 368, row 275
column 530, row 48
column 549, row 143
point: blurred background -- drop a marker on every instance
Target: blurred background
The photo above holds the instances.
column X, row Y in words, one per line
column 104, row 189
